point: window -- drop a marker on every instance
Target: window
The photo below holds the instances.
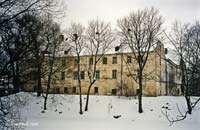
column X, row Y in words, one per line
column 65, row 90
column 114, row 91
column 82, row 74
column 117, row 48
column 137, row 91
column 95, row 90
column 105, row 60
column 97, row 74
column 114, row 74
column 91, row 61
column 57, row 90
column 63, row 62
column 128, row 59
column 62, row 75
column 114, row 61
column 75, row 61
column 166, row 51
column 34, row 75
column 75, row 75
column 66, row 52
column 74, row 90
column 35, row 88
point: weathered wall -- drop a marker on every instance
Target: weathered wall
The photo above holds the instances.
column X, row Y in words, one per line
column 153, row 73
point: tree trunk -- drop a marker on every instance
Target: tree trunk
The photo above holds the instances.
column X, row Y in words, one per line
column 121, row 90
column 45, row 101
column 87, row 100
column 187, row 98
column 88, row 95
column 49, row 76
column 39, row 84
column 48, row 85
column 79, row 85
column 80, row 96
column 188, row 104
column 184, row 86
column 140, row 92
column 15, row 82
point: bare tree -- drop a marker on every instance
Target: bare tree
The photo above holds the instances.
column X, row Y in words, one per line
column 10, row 9
column 38, row 47
column 17, row 21
column 54, row 38
column 179, row 41
column 181, row 115
column 100, row 38
column 185, row 40
column 141, row 31
column 76, row 38
column 15, row 45
column 13, row 40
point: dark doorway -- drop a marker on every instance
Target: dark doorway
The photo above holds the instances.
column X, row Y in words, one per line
column 65, row 90
column 114, row 91
column 96, row 90
column 74, row 90
column 35, row 88
column 137, row 91
column 57, row 90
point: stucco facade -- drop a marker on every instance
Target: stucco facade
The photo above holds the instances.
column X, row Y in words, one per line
column 119, row 71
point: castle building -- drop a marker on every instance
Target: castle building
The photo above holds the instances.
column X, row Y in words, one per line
column 116, row 74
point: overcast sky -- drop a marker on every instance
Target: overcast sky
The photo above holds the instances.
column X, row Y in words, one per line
column 111, row 10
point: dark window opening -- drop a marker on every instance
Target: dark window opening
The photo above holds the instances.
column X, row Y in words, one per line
column 114, row 91
column 114, row 61
column 35, row 75
column 57, row 90
column 62, row 75
column 105, row 60
column 97, row 74
column 96, row 90
column 63, row 62
column 35, row 88
column 114, row 74
column 76, row 75
column 117, row 48
column 65, row 52
column 137, row 91
column 65, row 90
column 166, row 51
column 129, row 59
column 91, row 61
column 74, row 90
column 75, row 61
column 82, row 74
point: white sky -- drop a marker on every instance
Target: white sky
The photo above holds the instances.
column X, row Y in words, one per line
column 110, row 10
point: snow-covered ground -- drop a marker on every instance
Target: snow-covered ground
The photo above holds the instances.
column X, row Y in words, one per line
column 63, row 113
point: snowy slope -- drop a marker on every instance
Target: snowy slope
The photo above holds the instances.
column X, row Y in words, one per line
column 63, row 113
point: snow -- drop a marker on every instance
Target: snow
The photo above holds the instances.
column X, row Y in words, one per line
column 63, row 113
